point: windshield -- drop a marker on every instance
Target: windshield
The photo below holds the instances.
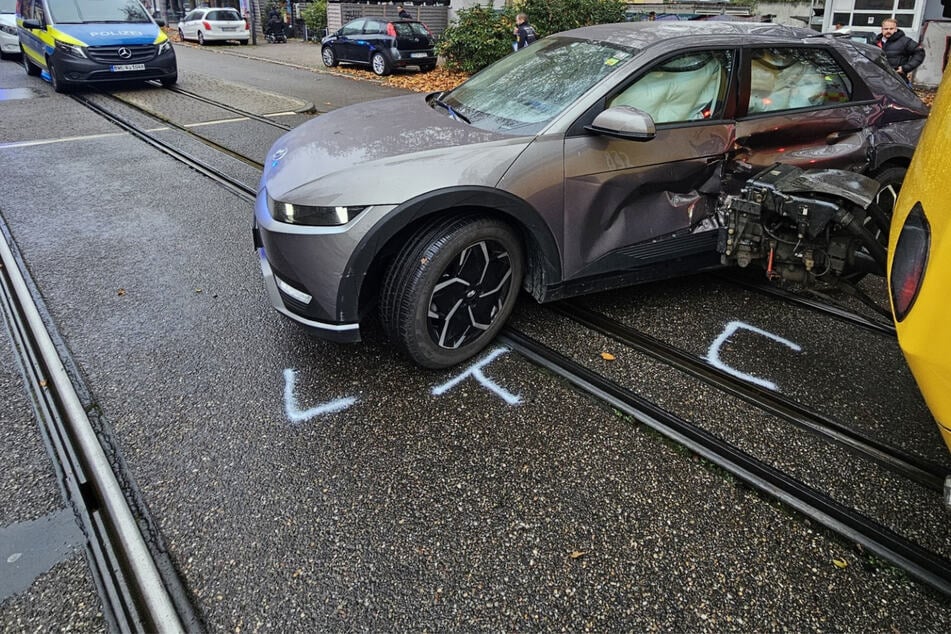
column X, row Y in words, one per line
column 525, row 90
column 8, row 6
column 82, row 11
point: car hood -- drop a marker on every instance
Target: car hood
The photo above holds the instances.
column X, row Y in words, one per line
column 383, row 153
column 111, row 34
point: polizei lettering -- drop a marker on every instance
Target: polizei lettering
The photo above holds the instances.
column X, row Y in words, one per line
column 113, row 33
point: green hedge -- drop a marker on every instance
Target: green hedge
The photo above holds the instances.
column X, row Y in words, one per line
column 314, row 16
column 481, row 35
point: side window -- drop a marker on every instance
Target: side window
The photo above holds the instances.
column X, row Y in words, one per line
column 372, row 27
column 191, row 16
column 354, row 28
column 689, row 87
column 31, row 10
column 790, row 78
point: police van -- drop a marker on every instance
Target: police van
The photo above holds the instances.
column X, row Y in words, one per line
column 81, row 42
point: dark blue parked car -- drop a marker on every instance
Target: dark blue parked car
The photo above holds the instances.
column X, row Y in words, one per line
column 381, row 44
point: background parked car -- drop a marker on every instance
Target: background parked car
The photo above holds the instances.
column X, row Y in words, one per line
column 381, row 44
column 9, row 42
column 214, row 25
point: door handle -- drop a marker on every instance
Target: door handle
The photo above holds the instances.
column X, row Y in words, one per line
column 838, row 135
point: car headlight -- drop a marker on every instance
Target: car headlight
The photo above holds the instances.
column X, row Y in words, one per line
column 71, row 49
column 311, row 215
column 164, row 47
column 6, row 28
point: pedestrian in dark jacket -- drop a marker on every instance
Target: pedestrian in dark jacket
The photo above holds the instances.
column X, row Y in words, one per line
column 403, row 13
column 903, row 53
column 524, row 32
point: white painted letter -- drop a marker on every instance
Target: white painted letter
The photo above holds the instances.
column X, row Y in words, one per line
column 713, row 354
column 475, row 370
column 293, row 411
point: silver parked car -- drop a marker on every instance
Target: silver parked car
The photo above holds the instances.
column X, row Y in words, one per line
column 214, row 25
column 595, row 158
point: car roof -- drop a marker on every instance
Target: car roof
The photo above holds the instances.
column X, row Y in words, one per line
column 640, row 35
column 371, row 18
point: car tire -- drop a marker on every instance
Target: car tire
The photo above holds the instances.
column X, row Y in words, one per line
column 329, row 57
column 55, row 79
column 181, row 35
column 31, row 69
column 244, row 42
column 427, row 67
column 451, row 288
column 889, row 179
column 171, row 80
column 201, row 39
column 878, row 215
column 380, row 65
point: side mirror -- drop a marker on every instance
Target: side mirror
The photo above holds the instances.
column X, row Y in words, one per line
column 624, row 122
column 32, row 24
column 160, row 21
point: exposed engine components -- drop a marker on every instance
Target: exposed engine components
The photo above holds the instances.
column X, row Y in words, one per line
column 804, row 225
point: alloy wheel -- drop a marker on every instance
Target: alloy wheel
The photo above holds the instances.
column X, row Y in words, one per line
column 469, row 294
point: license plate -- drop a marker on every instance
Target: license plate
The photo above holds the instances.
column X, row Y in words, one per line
column 229, row 28
column 118, row 68
column 418, row 55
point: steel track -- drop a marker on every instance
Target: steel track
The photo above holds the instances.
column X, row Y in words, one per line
column 244, row 113
column 825, row 308
column 895, row 459
column 136, row 582
column 928, row 567
column 232, row 184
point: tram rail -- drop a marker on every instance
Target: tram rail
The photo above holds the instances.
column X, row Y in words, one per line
column 138, row 587
column 218, row 104
column 234, row 185
column 928, row 567
column 219, row 147
column 901, row 462
column 875, row 325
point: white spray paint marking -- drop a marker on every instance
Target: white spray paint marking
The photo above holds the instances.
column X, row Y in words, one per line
column 475, row 371
column 713, row 354
column 292, row 409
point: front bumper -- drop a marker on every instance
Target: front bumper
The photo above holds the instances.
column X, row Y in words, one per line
column 9, row 44
column 281, row 300
column 305, row 273
column 78, row 70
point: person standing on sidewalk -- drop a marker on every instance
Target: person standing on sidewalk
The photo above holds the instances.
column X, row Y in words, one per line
column 903, row 53
column 524, row 32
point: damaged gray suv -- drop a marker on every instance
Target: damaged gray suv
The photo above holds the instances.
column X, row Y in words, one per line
column 595, row 158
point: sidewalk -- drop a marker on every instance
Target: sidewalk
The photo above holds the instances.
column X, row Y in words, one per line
column 300, row 54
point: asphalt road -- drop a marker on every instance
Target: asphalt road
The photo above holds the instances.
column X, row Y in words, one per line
column 306, row 486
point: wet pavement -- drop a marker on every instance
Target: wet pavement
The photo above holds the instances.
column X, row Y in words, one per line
column 305, row 486
column 44, row 581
